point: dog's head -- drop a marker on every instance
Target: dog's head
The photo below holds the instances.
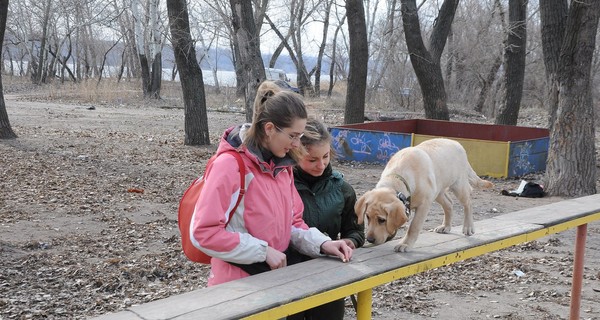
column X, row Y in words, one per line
column 384, row 213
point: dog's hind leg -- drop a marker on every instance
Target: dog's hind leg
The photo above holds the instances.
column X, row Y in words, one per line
column 444, row 200
column 464, row 197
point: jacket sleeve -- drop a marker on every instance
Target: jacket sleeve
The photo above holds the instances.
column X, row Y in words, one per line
column 208, row 233
column 350, row 228
column 306, row 240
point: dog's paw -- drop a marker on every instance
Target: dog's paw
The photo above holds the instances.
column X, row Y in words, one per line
column 468, row 231
column 403, row 247
column 442, row 229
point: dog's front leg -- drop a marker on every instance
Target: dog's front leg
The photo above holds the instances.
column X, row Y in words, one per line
column 444, row 200
column 414, row 229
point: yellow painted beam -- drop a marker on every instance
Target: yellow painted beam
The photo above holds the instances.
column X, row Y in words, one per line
column 364, row 287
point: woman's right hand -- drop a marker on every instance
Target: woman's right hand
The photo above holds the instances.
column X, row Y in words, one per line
column 275, row 258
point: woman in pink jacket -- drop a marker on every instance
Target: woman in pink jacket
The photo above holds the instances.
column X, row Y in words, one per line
column 269, row 217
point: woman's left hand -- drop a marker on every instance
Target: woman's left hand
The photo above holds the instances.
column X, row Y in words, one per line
column 337, row 248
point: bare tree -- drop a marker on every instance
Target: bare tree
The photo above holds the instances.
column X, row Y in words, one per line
column 514, row 53
column 571, row 166
column 247, row 42
column 487, row 75
column 148, row 41
column 192, row 84
column 155, row 50
column 333, row 56
column 317, row 70
column 301, row 13
column 359, row 57
column 38, row 77
column 6, row 131
column 426, row 63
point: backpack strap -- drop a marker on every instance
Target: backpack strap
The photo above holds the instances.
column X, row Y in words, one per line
column 242, row 167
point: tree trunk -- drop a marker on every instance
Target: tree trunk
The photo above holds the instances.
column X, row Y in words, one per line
column 6, row 131
column 553, row 18
column 486, row 83
column 322, row 49
column 248, row 43
column 38, row 78
column 427, row 63
column 333, row 57
column 571, row 166
column 240, row 82
column 155, row 51
column 140, row 42
column 190, row 75
column 359, row 57
column 156, row 79
column 515, row 51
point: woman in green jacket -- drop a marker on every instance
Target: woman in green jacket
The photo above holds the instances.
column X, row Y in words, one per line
column 328, row 203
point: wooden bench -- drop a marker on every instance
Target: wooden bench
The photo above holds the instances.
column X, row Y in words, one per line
column 275, row 294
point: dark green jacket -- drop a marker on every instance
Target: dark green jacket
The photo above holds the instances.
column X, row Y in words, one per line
column 329, row 204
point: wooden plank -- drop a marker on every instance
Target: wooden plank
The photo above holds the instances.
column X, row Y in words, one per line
column 556, row 213
column 278, row 287
column 322, row 280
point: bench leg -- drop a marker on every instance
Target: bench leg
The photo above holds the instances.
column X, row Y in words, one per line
column 578, row 262
column 363, row 310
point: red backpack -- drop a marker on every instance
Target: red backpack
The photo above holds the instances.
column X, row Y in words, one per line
column 188, row 202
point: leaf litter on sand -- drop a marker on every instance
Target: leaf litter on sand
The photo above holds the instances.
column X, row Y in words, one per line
column 76, row 242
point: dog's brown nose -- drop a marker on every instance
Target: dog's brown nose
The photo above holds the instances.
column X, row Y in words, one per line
column 371, row 240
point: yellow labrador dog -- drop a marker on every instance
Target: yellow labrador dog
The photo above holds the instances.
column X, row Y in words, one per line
column 412, row 179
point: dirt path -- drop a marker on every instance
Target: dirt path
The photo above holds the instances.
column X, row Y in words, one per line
column 79, row 237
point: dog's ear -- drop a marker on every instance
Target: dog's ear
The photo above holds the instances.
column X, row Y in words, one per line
column 360, row 207
column 396, row 217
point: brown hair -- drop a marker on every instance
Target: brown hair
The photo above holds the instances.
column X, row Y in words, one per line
column 316, row 133
column 273, row 104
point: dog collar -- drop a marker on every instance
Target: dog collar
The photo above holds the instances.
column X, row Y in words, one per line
column 405, row 200
column 401, row 196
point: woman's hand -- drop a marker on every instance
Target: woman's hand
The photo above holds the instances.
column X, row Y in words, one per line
column 275, row 258
column 337, row 248
column 350, row 243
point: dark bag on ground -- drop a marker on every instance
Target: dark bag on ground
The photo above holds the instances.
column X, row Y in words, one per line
column 530, row 190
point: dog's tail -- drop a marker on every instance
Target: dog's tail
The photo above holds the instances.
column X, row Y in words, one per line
column 477, row 182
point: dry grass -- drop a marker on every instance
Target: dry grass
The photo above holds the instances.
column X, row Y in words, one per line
column 129, row 92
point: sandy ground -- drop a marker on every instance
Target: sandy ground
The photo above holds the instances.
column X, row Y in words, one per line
column 88, row 225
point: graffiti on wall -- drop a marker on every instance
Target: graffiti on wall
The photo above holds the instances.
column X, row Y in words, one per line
column 367, row 146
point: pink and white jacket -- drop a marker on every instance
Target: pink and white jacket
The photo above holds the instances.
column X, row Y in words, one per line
column 269, row 214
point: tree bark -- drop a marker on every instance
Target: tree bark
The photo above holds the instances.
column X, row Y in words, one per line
column 515, row 52
column 426, row 63
column 248, row 43
column 359, row 58
column 553, row 16
column 6, row 131
column 571, row 166
column 190, row 75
